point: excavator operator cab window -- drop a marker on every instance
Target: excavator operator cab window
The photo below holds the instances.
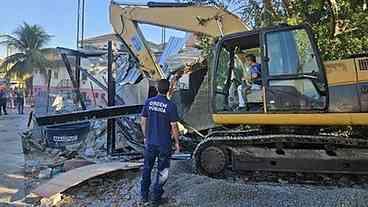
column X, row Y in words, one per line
column 269, row 70
column 238, row 75
column 295, row 78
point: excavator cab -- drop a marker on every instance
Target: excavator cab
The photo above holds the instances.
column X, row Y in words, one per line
column 293, row 77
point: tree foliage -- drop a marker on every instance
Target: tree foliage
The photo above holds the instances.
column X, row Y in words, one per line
column 340, row 26
column 29, row 42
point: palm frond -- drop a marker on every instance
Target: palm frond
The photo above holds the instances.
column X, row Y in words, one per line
column 18, row 68
column 12, row 59
column 33, row 36
column 29, row 40
column 9, row 40
column 39, row 61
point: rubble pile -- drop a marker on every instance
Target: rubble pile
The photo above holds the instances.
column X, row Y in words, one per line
column 94, row 147
column 115, row 189
column 42, row 161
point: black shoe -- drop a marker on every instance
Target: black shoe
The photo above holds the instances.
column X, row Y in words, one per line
column 155, row 204
column 143, row 202
column 162, row 201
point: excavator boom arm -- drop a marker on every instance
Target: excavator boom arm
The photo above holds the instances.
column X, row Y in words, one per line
column 211, row 21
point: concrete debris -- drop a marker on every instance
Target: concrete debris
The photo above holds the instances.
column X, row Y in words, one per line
column 116, row 189
column 30, row 144
column 77, row 176
column 44, row 174
column 187, row 56
column 31, row 166
column 93, row 147
column 75, row 163
column 89, row 152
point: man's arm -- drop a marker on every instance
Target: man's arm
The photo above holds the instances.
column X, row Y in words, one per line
column 175, row 135
column 144, row 115
column 143, row 126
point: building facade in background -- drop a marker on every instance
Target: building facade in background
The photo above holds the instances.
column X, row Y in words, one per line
column 60, row 83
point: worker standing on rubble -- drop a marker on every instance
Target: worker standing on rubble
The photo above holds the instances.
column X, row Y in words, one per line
column 159, row 123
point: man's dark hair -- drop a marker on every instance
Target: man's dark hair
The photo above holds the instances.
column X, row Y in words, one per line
column 163, row 86
column 252, row 58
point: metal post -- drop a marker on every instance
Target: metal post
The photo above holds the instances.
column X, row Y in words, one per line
column 83, row 15
column 48, row 90
column 118, row 99
column 93, row 94
column 110, row 101
column 77, row 70
column 74, row 82
column 78, row 22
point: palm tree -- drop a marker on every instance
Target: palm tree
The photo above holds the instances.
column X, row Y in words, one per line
column 29, row 42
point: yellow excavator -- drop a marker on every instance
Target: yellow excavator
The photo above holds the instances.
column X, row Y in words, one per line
column 294, row 122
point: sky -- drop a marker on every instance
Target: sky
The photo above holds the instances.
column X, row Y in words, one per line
column 58, row 18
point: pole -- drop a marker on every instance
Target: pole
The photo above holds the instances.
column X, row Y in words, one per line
column 74, row 82
column 48, row 90
column 77, row 58
column 77, row 70
column 93, row 93
column 110, row 101
column 83, row 8
column 78, row 21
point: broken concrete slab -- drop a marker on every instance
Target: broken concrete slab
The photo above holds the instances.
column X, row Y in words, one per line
column 76, row 176
column 75, row 163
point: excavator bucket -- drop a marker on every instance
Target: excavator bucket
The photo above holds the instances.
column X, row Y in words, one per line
column 199, row 115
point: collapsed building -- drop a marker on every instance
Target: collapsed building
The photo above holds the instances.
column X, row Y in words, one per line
column 88, row 140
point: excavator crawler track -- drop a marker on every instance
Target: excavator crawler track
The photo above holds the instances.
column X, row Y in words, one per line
column 251, row 151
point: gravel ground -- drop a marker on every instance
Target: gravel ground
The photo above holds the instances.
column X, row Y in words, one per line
column 187, row 189
column 193, row 190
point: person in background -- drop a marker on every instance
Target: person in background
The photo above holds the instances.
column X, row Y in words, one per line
column 12, row 101
column 19, row 99
column 3, row 101
column 159, row 124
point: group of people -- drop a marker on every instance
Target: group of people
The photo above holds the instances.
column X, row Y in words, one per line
column 13, row 97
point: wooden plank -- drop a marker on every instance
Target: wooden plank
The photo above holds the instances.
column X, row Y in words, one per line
column 76, row 176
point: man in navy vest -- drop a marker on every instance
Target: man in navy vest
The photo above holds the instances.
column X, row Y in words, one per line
column 159, row 123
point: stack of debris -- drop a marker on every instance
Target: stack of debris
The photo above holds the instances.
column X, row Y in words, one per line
column 45, row 158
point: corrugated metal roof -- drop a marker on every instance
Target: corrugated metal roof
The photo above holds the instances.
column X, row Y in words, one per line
column 172, row 48
column 187, row 56
column 127, row 73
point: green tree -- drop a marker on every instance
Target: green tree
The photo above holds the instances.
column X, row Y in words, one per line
column 29, row 42
column 340, row 26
